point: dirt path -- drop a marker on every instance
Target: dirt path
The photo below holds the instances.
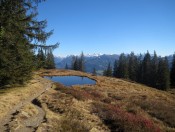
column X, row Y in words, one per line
column 10, row 121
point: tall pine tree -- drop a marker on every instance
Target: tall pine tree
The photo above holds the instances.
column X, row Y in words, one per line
column 163, row 79
column 133, row 66
column 172, row 75
column 122, row 70
column 18, row 29
column 146, row 69
column 154, row 70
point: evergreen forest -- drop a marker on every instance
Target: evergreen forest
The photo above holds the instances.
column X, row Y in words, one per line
column 22, row 41
column 147, row 69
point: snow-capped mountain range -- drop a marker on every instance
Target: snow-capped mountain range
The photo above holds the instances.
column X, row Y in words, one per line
column 98, row 61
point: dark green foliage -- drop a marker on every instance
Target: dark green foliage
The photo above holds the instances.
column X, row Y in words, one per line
column 49, row 63
column 152, row 71
column 18, row 29
column 108, row 71
column 15, row 64
column 163, row 79
column 122, row 66
column 78, row 64
column 146, row 69
column 139, row 69
column 132, row 67
column 41, row 58
column 172, row 74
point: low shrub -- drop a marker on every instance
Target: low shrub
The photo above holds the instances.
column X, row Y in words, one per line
column 80, row 94
column 119, row 120
column 162, row 111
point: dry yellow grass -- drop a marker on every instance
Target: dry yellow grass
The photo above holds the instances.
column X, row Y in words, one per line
column 110, row 105
column 151, row 104
column 13, row 96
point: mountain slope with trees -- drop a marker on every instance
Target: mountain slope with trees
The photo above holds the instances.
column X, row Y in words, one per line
column 150, row 70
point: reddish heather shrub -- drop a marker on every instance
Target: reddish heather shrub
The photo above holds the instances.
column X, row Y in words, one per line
column 80, row 94
column 119, row 120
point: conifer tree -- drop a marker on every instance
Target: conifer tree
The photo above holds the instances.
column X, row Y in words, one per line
column 154, row 70
column 163, row 79
column 122, row 66
column 132, row 68
column 41, row 58
column 140, row 69
column 49, row 63
column 76, row 64
column 109, row 70
column 18, row 29
column 172, row 74
column 146, row 67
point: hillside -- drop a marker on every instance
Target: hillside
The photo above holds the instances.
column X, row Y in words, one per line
column 110, row 105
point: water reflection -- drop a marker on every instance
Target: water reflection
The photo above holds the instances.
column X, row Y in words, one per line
column 71, row 80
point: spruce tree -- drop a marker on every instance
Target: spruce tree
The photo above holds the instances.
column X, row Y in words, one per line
column 146, row 67
column 41, row 58
column 76, row 64
column 122, row 66
column 172, row 74
column 140, row 69
column 154, row 70
column 18, row 29
column 109, row 70
column 133, row 66
column 163, row 79
column 49, row 63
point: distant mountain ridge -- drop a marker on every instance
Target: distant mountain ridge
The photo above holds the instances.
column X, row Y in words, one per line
column 97, row 61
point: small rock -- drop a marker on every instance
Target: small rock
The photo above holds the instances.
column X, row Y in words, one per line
column 25, row 114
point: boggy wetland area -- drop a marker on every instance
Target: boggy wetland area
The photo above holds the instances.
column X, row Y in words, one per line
column 109, row 105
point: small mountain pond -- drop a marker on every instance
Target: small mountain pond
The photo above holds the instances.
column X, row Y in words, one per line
column 71, row 80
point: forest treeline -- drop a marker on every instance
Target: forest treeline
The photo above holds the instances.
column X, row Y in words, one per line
column 153, row 71
column 78, row 63
column 22, row 41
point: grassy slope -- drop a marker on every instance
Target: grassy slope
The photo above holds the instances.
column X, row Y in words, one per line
column 110, row 105
column 12, row 96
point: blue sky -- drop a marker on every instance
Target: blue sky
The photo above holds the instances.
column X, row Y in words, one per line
column 110, row 26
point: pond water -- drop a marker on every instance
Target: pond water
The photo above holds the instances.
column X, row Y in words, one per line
column 71, row 80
